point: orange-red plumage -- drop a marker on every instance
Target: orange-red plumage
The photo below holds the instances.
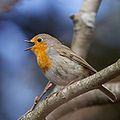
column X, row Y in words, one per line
column 42, row 58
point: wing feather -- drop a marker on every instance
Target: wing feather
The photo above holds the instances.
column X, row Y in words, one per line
column 71, row 55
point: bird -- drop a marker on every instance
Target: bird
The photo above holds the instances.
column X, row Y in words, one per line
column 60, row 65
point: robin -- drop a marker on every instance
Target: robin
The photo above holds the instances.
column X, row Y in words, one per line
column 60, row 64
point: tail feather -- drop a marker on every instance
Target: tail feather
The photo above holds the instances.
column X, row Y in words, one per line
column 108, row 93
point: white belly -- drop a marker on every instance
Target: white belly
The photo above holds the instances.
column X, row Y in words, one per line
column 64, row 71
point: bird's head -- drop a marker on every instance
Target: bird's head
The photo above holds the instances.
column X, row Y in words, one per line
column 41, row 43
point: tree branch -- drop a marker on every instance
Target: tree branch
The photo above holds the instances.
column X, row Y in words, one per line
column 69, row 92
column 91, row 98
column 84, row 23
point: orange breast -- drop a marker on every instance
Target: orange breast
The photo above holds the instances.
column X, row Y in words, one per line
column 42, row 58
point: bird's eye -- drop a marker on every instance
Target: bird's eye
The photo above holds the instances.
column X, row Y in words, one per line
column 39, row 40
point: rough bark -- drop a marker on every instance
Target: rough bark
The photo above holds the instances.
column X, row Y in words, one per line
column 69, row 92
column 91, row 98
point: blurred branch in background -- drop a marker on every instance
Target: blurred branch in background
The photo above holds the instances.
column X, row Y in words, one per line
column 6, row 5
column 84, row 23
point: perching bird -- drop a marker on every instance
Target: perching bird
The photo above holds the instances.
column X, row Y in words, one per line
column 60, row 64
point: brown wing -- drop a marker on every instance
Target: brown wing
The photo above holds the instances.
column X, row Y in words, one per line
column 71, row 55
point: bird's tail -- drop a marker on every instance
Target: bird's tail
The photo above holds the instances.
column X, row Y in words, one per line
column 108, row 93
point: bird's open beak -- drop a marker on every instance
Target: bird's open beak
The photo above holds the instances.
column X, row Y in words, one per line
column 29, row 47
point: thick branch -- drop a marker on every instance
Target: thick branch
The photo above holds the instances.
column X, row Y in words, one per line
column 84, row 23
column 72, row 91
column 91, row 98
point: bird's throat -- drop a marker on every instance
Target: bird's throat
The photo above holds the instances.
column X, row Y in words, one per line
column 42, row 58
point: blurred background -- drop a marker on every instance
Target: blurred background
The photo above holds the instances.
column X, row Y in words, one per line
column 21, row 79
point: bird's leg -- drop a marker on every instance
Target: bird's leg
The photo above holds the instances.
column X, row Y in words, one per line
column 48, row 86
column 63, row 87
column 74, row 80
